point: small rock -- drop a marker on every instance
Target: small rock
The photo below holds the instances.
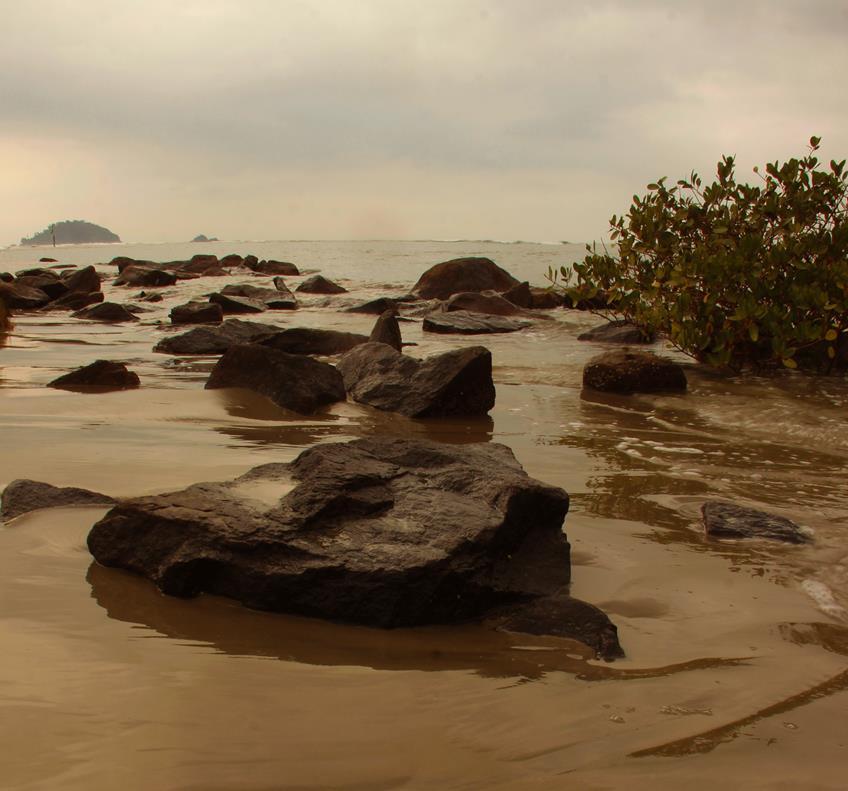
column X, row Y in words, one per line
column 233, row 304
column 75, row 300
column 272, row 298
column 621, row 331
column 317, row 284
column 145, row 277
column 463, row 322
column 105, row 311
column 630, row 372
column 727, row 520
column 197, row 313
column 375, row 307
column 215, row 340
column 520, row 295
column 271, row 267
column 489, row 303
column 23, row 495
column 387, row 330
column 99, row 375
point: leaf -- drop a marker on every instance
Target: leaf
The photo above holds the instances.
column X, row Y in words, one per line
column 789, row 362
column 831, row 335
column 754, row 332
column 831, row 352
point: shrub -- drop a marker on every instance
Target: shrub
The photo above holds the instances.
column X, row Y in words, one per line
column 733, row 274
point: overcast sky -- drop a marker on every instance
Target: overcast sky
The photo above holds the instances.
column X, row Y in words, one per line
column 343, row 119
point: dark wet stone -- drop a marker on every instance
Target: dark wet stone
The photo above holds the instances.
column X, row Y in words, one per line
column 272, row 298
column 463, row 274
column 75, row 300
column 215, row 340
column 105, row 311
column 317, row 284
column 617, row 332
column 520, row 295
column 23, row 495
column 387, row 330
column 21, row 297
column 491, row 304
column 292, row 381
column 271, row 267
column 545, row 299
column 375, row 307
column 46, row 260
column 727, row 520
column 463, row 322
column 629, row 372
column 145, row 297
column 456, row 383
column 234, row 304
column 308, row 340
column 197, row 313
column 85, row 280
column 99, row 375
column 52, row 286
column 145, row 277
column 381, row 531
column 232, row 260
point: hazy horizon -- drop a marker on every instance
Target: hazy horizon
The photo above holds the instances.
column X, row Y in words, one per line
column 454, row 120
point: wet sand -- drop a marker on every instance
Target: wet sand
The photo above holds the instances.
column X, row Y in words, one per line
column 737, row 655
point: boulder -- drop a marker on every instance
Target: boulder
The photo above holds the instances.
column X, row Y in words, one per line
column 273, row 298
column 271, row 267
column 197, row 313
column 727, row 520
column 85, row 280
column 375, row 307
column 234, row 304
column 307, row 340
column 456, row 383
column 490, row 303
column 383, row 532
column 387, row 330
column 215, row 340
column 37, row 271
column 105, row 311
column 520, row 295
column 633, row 372
column 75, row 300
column 291, row 381
column 7, row 277
column 232, row 260
column 49, row 284
column 545, row 299
column 22, row 297
column 463, row 322
column 99, row 375
column 145, row 297
column 317, row 284
column 145, row 277
column 621, row 331
column 463, row 274
column 23, row 495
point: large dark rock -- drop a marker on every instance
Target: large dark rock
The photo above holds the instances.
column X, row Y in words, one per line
column 233, row 304
column 75, row 300
column 97, row 376
column 463, row 274
column 463, row 322
column 633, row 372
column 318, row 284
column 85, row 280
column 520, row 295
column 492, row 304
column 621, row 331
column 270, row 267
column 145, row 277
column 215, row 340
column 545, row 299
column 273, row 298
column 726, row 520
column 380, row 531
column 22, row 297
column 232, row 260
column 50, row 284
column 456, row 383
column 307, row 340
column 23, row 495
column 105, row 311
column 197, row 313
column 292, row 381
column 387, row 330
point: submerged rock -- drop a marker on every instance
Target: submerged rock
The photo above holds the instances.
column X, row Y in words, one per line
column 75, row 300
column 197, row 313
column 232, row 304
column 23, row 495
column 99, row 375
column 384, row 532
column 463, row 322
column 144, row 276
column 387, row 330
column 22, row 297
column 272, row 298
column 105, row 311
column 270, row 267
column 727, row 520
column 463, row 274
column 318, row 284
column 491, row 303
column 621, row 331
column 375, row 307
column 456, row 383
column 215, row 340
column 308, row 340
column 292, row 381
column 630, row 372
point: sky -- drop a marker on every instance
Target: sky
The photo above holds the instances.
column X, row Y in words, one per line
column 355, row 119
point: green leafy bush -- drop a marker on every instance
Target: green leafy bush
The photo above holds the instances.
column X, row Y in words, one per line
column 734, row 274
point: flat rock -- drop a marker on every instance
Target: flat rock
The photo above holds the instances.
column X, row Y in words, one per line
column 105, row 311
column 232, row 304
column 145, row 277
column 215, row 340
column 630, row 372
column 490, row 303
column 23, row 495
column 727, row 520
column 22, row 297
column 292, row 381
column 545, row 299
column 272, row 298
column 617, row 332
column 98, row 376
column 375, row 307
column 463, row 322
column 456, row 383
column 463, row 274
column 75, row 300
column 271, row 267
column 384, row 532
column 308, row 340
column 387, row 330
column 197, row 313
column 318, row 284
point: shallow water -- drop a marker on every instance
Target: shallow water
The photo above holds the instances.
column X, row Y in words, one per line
column 737, row 655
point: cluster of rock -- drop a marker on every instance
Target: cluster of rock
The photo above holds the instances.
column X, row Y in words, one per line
column 44, row 288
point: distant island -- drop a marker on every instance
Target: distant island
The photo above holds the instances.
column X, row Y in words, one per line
column 202, row 238
column 72, row 232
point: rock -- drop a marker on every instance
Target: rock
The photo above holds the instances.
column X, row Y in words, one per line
column 145, row 277
column 456, row 383
column 47, row 260
column 99, row 375
column 38, row 271
column 105, row 311
column 232, row 260
column 273, row 298
column 271, row 267
column 633, row 372
column 75, row 300
column 21, row 297
column 233, row 304
column 545, row 299
column 7, row 277
column 465, row 323
column 145, row 297
column 215, row 340
column 85, row 280
column 317, row 284
column 281, row 286
column 203, row 265
column 123, row 261
column 52, row 286
column 520, row 295
column 726, row 520
column 375, row 307
column 197, row 313
column 387, row 330
column 307, row 340
column 617, row 332
column 291, row 381
column 381, row 531
column 491, row 303
column 23, row 495
column 463, row 274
